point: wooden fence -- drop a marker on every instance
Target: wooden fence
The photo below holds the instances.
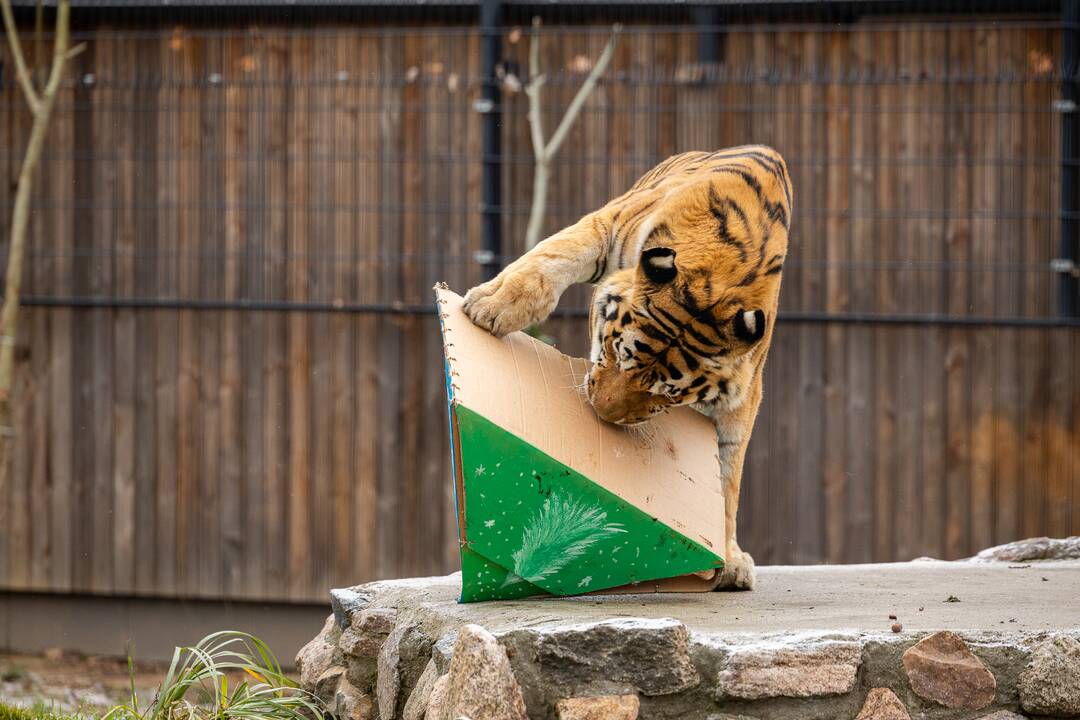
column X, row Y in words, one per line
column 173, row 441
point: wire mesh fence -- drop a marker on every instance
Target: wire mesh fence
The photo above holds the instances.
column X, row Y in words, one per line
column 343, row 166
column 208, row 169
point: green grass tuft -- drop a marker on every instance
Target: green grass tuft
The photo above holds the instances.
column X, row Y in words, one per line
column 198, row 687
column 38, row 712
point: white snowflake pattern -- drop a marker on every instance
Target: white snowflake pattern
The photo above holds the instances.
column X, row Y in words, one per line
column 489, row 523
column 480, row 470
column 585, row 581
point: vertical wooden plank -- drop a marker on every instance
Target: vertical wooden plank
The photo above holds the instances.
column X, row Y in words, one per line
column 125, row 360
column 837, row 228
column 934, row 146
column 958, row 252
column 911, row 210
column 409, row 391
column 320, row 245
column 1008, row 255
column 367, row 181
column 809, row 178
column 859, row 429
column 389, row 530
column 147, row 239
column 885, row 403
column 252, row 71
column 189, row 161
column 277, row 92
column 60, row 380
column 986, row 146
column 234, row 123
column 106, row 194
column 299, row 325
column 343, row 382
column 167, row 329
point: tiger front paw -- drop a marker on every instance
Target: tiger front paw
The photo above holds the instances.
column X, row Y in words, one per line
column 512, row 301
column 738, row 573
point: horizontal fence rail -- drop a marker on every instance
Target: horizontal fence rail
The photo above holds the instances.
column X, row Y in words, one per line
column 229, row 373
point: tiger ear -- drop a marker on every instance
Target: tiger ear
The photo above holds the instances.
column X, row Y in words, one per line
column 749, row 325
column 658, row 264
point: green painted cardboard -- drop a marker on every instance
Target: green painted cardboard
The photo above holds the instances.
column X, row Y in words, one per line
column 536, row 526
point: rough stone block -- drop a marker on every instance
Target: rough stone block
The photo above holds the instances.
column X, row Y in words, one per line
column 882, row 704
column 1050, row 685
column 315, row 657
column 437, row 699
column 798, row 669
column 599, row 707
column 416, row 705
column 345, row 602
column 481, row 684
column 351, row 704
column 1002, row 715
column 941, row 668
column 650, row 656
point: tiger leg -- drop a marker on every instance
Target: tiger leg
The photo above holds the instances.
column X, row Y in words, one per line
column 527, row 290
column 733, row 436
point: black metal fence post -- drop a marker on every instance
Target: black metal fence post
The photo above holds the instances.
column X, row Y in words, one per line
column 1070, row 155
column 491, row 201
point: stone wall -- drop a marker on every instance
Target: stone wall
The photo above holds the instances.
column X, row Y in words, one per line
column 389, row 651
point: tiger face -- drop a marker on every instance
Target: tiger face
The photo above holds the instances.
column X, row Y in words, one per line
column 678, row 331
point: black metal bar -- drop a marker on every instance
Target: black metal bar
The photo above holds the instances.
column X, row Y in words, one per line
column 1070, row 149
column 398, row 308
column 707, row 17
column 490, row 27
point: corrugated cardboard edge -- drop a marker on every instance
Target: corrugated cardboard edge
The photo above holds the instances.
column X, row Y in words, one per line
column 680, row 584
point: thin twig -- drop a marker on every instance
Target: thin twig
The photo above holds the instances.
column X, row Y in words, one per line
column 583, row 93
column 21, row 71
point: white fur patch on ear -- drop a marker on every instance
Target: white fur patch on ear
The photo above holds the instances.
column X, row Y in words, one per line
column 611, row 310
column 663, row 261
column 750, row 320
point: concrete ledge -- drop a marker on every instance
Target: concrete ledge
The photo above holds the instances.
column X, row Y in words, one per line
column 94, row 625
column 809, row 642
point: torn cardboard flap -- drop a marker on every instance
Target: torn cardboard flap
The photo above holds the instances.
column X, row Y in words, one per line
column 525, row 435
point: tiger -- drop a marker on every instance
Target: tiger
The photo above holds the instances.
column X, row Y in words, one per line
column 686, row 267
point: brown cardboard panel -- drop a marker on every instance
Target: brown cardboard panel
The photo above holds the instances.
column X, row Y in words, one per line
column 669, row 470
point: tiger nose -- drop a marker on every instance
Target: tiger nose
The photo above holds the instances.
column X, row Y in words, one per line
column 618, row 405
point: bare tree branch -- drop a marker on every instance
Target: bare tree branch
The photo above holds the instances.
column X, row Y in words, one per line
column 41, row 109
column 583, row 93
column 21, row 71
column 544, row 151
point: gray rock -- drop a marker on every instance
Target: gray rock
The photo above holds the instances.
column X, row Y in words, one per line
column 315, row 657
column 941, row 668
column 365, row 636
column 882, row 704
column 345, row 602
column 437, row 699
column 599, row 707
column 649, row 656
column 1033, row 549
column 1002, row 715
column 799, row 669
column 401, row 662
column 728, row 716
column 417, row 704
column 481, row 685
column 351, row 704
column 442, row 651
column 1050, row 685
column 326, row 685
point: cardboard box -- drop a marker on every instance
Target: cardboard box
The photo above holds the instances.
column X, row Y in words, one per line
column 551, row 499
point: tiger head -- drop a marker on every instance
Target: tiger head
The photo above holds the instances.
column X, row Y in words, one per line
column 682, row 327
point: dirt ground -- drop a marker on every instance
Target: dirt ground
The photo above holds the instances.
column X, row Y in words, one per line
column 74, row 683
